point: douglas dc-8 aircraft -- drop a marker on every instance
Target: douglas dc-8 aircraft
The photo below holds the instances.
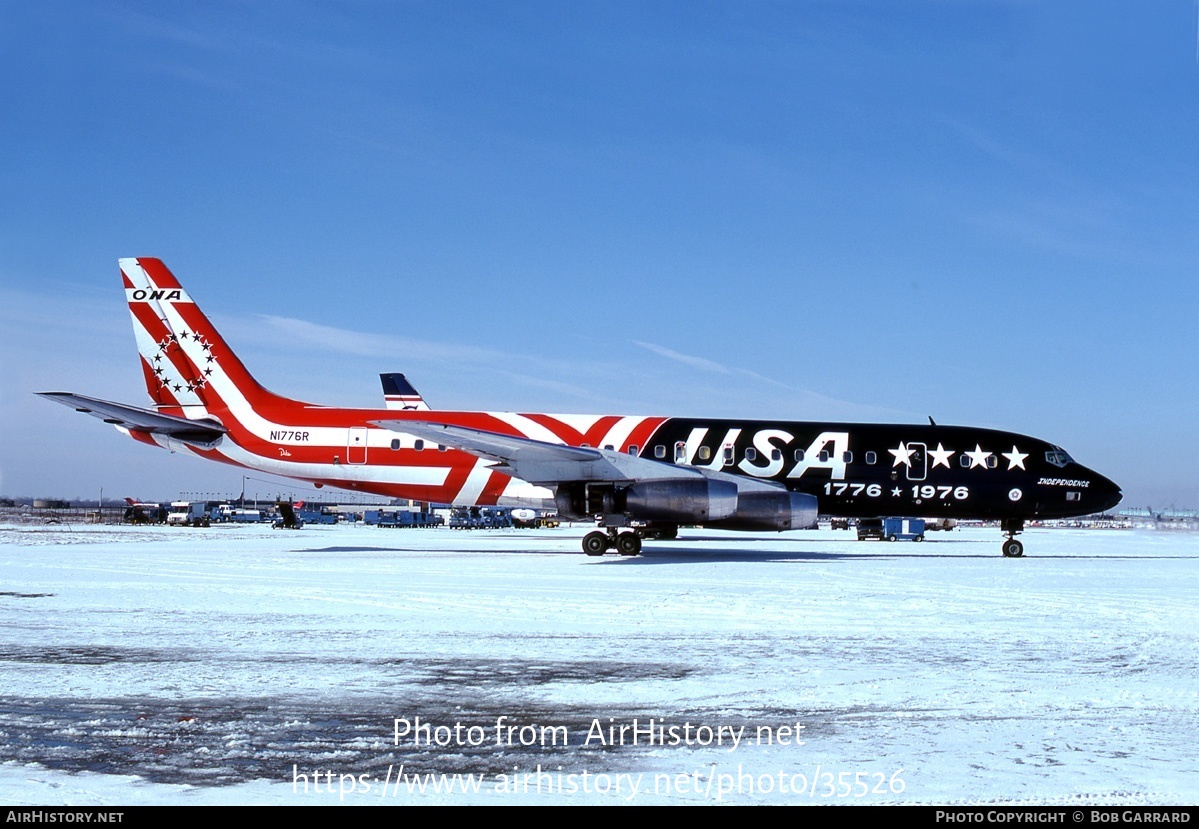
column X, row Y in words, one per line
column 640, row 477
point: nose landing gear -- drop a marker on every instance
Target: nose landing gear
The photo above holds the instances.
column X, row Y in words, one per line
column 1013, row 527
column 1013, row 548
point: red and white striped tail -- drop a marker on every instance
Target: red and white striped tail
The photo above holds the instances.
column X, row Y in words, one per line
column 185, row 361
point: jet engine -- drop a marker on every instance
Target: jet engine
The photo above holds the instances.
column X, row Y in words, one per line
column 709, row 502
column 689, row 501
column 771, row 511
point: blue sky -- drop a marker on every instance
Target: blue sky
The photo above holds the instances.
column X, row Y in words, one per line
column 986, row 212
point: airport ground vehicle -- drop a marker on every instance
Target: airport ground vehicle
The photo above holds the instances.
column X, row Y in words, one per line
column 187, row 514
column 401, row 518
column 891, row 529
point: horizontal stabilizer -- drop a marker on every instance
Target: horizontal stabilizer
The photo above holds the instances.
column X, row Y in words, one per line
column 204, row 433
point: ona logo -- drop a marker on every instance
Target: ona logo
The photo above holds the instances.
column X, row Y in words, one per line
column 157, row 294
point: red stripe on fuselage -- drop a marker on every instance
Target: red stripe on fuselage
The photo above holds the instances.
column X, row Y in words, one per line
column 568, row 434
column 643, row 433
column 496, row 484
column 143, row 437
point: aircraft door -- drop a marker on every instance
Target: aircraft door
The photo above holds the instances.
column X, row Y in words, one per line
column 918, row 467
column 356, row 445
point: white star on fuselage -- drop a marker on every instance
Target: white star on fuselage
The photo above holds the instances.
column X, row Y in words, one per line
column 978, row 457
column 940, row 456
column 1015, row 458
column 903, row 455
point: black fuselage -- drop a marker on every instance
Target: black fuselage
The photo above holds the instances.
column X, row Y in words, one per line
column 861, row 470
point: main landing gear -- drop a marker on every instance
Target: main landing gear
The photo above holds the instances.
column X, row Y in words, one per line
column 597, row 543
column 627, row 543
column 1013, row 527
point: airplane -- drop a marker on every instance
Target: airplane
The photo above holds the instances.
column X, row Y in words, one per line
column 142, row 512
column 638, row 477
column 400, row 394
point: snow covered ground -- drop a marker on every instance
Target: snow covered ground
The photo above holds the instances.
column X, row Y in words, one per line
column 244, row 665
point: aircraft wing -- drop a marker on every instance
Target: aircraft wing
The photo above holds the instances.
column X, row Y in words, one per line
column 548, row 464
column 541, row 463
column 204, row 433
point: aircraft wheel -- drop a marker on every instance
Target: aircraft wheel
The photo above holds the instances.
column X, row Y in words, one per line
column 628, row 544
column 891, row 538
column 595, row 544
column 668, row 533
column 1013, row 548
column 918, row 538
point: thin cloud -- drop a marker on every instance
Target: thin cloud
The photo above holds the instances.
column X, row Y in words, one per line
column 686, row 359
column 288, row 330
column 705, row 364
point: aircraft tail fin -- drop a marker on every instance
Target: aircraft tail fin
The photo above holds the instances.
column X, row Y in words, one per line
column 400, row 394
column 185, row 360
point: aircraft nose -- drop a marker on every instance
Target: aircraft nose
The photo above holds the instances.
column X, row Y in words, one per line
column 1108, row 492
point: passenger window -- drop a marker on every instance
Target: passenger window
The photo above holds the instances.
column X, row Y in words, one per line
column 847, row 457
column 992, row 462
column 964, row 461
column 680, row 452
column 871, row 458
column 776, row 454
column 395, row 444
column 441, row 448
column 728, row 455
column 659, row 451
column 609, row 447
column 799, row 454
column 705, row 453
column 751, row 454
column 418, row 445
column 824, row 456
column 633, row 449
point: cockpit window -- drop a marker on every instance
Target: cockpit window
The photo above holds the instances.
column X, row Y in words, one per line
column 1058, row 457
